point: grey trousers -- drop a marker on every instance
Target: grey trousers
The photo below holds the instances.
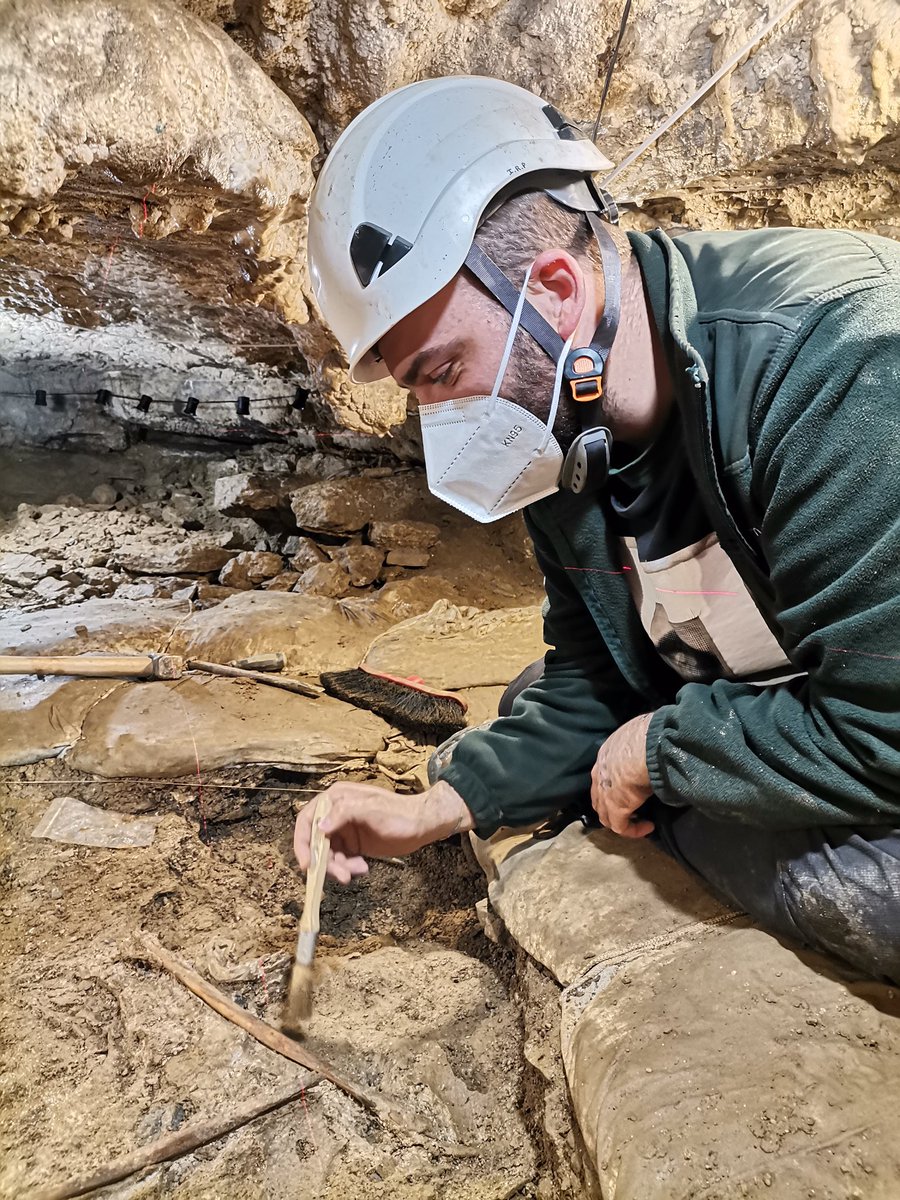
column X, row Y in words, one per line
column 833, row 888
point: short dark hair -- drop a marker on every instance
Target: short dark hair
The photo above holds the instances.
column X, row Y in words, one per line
column 529, row 223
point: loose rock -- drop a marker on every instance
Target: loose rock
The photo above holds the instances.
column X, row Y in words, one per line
column 24, row 569
column 283, row 582
column 324, row 579
column 250, row 568
column 346, row 505
column 304, row 553
column 104, row 493
column 265, row 498
column 361, row 562
column 193, row 553
column 394, row 535
column 408, row 558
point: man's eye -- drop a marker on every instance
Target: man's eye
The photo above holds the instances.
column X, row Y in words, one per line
column 444, row 377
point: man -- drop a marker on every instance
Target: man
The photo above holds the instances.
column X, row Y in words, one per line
column 704, row 433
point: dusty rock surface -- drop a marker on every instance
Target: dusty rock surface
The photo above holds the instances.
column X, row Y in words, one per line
column 703, row 1057
column 120, row 1054
column 167, row 542
column 463, row 648
column 119, row 143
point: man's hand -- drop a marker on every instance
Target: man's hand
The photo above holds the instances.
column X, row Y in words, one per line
column 620, row 781
column 369, row 820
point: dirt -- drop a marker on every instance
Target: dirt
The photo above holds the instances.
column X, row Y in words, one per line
column 104, row 1053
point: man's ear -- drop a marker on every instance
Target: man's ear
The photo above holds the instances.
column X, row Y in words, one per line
column 558, row 290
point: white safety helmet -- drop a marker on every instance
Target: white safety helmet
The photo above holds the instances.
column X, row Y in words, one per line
column 396, row 206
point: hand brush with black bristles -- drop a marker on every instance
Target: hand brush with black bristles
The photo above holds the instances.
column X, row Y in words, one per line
column 410, row 702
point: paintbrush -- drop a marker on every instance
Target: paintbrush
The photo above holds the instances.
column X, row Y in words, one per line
column 298, row 1006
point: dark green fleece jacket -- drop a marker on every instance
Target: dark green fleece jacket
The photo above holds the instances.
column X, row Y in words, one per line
column 787, row 367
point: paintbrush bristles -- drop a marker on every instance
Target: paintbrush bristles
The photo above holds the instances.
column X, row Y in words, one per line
column 298, row 1006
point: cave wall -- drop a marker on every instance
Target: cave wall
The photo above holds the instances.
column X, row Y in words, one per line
column 156, row 161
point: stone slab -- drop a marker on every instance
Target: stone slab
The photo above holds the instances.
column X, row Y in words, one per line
column 734, row 1067
column 94, row 626
column 456, row 647
column 580, row 899
column 314, row 633
column 39, row 718
column 163, row 729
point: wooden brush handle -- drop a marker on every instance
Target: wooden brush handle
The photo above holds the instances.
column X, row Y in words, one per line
column 319, row 846
column 94, row 666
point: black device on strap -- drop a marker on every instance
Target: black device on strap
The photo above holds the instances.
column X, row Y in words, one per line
column 586, row 465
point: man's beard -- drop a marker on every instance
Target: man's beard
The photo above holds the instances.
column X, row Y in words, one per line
column 529, row 381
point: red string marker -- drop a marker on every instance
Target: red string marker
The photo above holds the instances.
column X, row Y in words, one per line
column 201, row 806
column 262, row 975
column 146, row 216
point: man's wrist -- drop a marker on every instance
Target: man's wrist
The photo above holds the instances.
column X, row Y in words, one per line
column 644, row 727
column 445, row 812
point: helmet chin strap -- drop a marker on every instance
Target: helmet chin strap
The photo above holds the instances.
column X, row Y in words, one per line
column 586, row 465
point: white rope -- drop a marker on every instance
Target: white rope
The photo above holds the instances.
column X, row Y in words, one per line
column 710, row 83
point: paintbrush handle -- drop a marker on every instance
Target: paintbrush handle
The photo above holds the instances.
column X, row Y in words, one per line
column 319, row 846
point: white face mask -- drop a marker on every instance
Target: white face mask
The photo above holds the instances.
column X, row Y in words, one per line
column 488, row 456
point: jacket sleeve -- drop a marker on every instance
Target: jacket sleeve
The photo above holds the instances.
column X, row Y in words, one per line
column 824, row 749
column 529, row 764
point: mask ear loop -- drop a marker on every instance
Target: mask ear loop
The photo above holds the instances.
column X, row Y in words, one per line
column 557, row 391
column 513, row 330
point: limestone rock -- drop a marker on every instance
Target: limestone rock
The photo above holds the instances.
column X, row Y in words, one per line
column 265, row 498
column 782, row 1066
column 51, row 589
column 187, row 553
column 408, row 558
column 454, row 647
column 209, row 162
column 131, row 731
column 282, row 582
column 407, row 535
column 324, row 579
column 314, row 633
column 41, row 717
column 362, row 563
column 411, row 596
column 24, row 569
column 105, row 494
column 304, row 553
column 561, row 898
column 212, row 593
column 346, row 505
column 250, row 568
column 172, row 588
column 96, row 626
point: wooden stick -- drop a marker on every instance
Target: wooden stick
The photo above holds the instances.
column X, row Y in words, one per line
column 298, row 1007
column 94, row 666
column 288, row 685
column 175, row 1145
column 261, row 1030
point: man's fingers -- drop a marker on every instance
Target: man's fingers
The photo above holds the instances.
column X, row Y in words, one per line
column 637, row 829
column 344, row 809
column 302, row 830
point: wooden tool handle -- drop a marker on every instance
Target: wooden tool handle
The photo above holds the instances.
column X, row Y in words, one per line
column 319, row 846
column 288, row 685
column 94, row 666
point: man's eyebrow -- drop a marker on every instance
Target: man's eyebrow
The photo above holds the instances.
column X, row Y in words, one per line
column 412, row 376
